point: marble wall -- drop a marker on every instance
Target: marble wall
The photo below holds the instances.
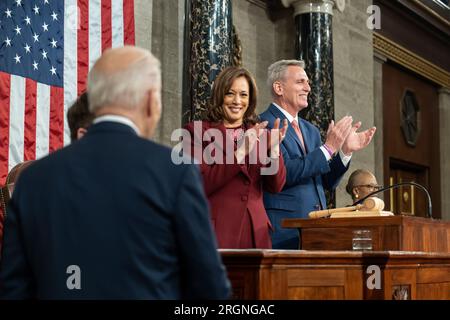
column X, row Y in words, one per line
column 353, row 80
column 264, row 40
column 167, row 45
column 444, row 128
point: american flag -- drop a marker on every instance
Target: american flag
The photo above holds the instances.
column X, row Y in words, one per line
column 46, row 50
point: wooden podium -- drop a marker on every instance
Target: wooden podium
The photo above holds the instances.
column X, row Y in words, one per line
column 412, row 254
column 394, row 233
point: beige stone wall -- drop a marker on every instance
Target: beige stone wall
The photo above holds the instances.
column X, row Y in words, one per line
column 353, row 80
column 263, row 42
column 444, row 119
column 167, row 27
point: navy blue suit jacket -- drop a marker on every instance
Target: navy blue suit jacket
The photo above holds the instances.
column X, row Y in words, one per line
column 114, row 205
column 307, row 176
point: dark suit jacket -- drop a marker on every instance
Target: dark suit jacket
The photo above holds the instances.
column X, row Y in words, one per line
column 307, row 176
column 116, row 206
column 235, row 194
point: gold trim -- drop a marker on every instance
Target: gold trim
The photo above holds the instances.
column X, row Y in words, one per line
column 259, row 3
column 432, row 12
column 410, row 60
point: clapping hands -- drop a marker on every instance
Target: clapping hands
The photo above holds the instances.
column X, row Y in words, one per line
column 344, row 136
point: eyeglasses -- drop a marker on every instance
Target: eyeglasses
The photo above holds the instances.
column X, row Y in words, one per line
column 370, row 186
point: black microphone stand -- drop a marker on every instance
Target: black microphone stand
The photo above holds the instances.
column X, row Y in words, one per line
column 394, row 186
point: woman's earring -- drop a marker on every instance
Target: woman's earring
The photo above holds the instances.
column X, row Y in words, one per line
column 356, row 196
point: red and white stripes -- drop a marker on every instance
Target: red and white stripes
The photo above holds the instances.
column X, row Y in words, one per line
column 33, row 115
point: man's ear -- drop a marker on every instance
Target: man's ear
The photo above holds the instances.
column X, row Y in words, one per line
column 149, row 105
column 81, row 132
column 277, row 88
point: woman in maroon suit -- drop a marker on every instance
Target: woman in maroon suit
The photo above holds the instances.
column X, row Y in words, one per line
column 235, row 190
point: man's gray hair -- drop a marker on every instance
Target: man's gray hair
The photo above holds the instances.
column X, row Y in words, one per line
column 277, row 71
column 125, row 87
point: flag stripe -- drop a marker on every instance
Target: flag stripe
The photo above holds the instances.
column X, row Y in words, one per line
column 43, row 119
column 95, row 31
column 117, row 23
column 56, row 118
column 71, row 15
column 5, row 89
column 29, row 150
column 16, row 118
column 83, row 45
column 128, row 21
column 34, row 103
column 106, row 24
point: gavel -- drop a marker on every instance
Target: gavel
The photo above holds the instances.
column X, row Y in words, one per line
column 370, row 204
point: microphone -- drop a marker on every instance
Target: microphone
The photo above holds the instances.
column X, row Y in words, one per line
column 394, row 186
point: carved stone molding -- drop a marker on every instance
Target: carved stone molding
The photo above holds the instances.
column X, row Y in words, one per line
column 410, row 60
column 309, row 6
column 259, row 3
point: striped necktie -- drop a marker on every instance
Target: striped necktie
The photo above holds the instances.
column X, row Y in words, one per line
column 294, row 124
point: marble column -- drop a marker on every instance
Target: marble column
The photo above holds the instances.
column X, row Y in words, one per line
column 444, row 119
column 208, row 50
column 314, row 45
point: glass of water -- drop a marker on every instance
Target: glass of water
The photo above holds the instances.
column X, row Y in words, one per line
column 362, row 240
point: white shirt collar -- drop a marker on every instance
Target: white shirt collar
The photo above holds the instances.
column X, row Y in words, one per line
column 286, row 114
column 118, row 119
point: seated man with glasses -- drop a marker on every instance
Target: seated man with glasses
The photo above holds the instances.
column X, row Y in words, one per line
column 361, row 183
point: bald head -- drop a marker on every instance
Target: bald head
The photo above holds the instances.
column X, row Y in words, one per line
column 127, row 82
column 121, row 77
column 117, row 60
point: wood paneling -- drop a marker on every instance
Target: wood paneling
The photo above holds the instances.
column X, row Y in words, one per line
column 388, row 233
column 403, row 162
column 298, row 274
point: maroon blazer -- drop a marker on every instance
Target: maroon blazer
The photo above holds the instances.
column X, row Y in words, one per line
column 235, row 194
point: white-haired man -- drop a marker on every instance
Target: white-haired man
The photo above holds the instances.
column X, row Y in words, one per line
column 113, row 217
column 311, row 165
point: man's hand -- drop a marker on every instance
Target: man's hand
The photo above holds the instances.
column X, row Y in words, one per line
column 337, row 133
column 357, row 140
column 274, row 146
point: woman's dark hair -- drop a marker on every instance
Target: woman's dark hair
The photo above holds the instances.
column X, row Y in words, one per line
column 222, row 85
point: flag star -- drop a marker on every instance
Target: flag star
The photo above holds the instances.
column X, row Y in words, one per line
column 8, row 42
column 44, row 54
column 36, row 37
column 8, row 13
column 54, row 16
column 45, row 26
column 45, row 1
column 36, row 9
column 35, row 65
column 53, row 70
column 17, row 58
column 19, row 3
column 27, row 48
column 53, row 42
column 17, row 29
column 27, row 20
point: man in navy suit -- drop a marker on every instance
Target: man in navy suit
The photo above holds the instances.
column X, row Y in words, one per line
column 311, row 165
column 110, row 216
